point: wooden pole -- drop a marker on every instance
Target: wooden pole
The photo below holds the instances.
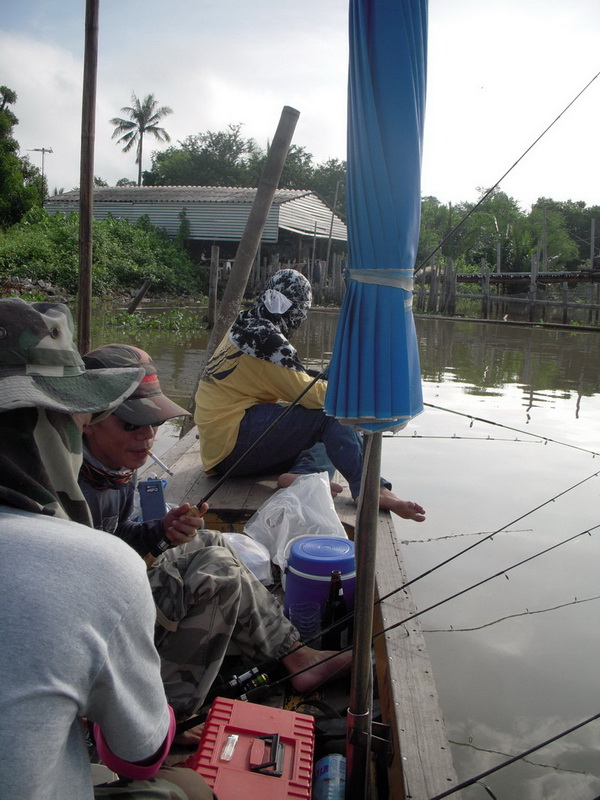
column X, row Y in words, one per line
column 535, row 260
column 248, row 246
column 250, row 241
column 211, row 315
column 335, row 198
column 86, row 179
column 139, row 296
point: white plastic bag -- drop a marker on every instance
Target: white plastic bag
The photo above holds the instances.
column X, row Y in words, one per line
column 253, row 554
column 305, row 508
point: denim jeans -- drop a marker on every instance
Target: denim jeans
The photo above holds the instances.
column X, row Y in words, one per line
column 300, row 429
column 313, row 460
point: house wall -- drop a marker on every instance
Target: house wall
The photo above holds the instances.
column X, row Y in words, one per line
column 225, row 221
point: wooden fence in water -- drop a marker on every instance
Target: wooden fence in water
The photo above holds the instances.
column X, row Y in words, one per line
column 561, row 297
column 568, row 298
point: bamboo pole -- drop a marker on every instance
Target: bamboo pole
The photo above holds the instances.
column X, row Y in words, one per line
column 86, row 179
column 250, row 241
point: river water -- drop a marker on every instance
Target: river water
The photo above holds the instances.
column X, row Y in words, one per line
column 512, row 424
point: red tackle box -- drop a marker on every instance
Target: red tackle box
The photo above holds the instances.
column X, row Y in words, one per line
column 256, row 752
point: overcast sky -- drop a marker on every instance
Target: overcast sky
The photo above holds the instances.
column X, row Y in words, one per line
column 499, row 72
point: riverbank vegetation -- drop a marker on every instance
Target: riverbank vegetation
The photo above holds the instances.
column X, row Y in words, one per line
column 45, row 248
column 41, row 250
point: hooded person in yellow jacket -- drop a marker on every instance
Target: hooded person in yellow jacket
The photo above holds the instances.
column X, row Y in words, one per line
column 252, row 374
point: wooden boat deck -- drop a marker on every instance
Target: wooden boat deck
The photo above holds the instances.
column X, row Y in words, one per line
column 421, row 763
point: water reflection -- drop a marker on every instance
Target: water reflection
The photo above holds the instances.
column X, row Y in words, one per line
column 515, row 660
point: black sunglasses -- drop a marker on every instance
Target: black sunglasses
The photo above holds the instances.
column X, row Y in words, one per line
column 130, row 427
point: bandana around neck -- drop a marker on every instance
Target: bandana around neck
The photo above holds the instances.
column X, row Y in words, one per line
column 100, row 477
column 40, row 456
column 262, row 330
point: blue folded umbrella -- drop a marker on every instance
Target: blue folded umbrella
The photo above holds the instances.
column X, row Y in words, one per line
column 374, row 375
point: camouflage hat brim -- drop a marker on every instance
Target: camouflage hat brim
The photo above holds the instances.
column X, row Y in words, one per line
column 147, row 405
column 40, row 366
column 88, row 392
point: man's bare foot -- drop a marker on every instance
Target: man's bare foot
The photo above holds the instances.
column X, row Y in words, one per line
column 287, row 478
column 404, row 508
column 320, row 670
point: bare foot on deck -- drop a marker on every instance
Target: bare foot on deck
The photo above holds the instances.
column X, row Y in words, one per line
column 404, row 508
column 287, row 478
column 321, row 671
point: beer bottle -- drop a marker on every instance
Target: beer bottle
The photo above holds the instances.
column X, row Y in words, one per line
column 334, row 611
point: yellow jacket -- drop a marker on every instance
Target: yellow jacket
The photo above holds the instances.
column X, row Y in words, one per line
column 236, row 382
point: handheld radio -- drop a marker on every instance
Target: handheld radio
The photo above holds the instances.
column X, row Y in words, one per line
column 152, row 499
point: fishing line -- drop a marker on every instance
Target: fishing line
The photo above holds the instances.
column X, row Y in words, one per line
column 451, row 558
column 256, row 692
column 553, row 767
column 489, row 536
column 473, row 419
column 461, row 536
column 484, row 580
column 525, row 613
column 489, row 191
column 512, row 760
column 456, row 436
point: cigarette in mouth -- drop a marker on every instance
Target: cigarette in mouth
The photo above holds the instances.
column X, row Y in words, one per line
column 159, row 462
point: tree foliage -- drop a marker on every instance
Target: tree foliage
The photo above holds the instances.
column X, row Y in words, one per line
column 557, row 235
column 21, row 183
column 227, row 158
column 144, row 117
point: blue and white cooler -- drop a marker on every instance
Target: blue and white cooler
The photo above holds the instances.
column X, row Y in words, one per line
column 310, row 563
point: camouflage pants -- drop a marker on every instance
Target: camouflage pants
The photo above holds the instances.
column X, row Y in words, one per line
column 207, row 600
column 171, row 783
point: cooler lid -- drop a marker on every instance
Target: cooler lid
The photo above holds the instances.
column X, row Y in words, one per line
column 319, row 555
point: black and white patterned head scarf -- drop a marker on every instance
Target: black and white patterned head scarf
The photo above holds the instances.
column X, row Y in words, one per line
column 262, row 331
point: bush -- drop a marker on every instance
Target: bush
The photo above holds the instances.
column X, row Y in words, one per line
column 44, row 247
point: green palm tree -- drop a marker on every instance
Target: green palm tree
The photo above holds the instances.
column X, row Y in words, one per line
column 143, row 118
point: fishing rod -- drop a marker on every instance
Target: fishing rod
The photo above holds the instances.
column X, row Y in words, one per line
column 545, row 439
column 259, row 689
column 255, row 682
column 489, row 536
column 164, row 543
column 459, row 438
column 499, row 181
column 512, row 760
column 588, row 531
column 526, row 613
column 262, row 436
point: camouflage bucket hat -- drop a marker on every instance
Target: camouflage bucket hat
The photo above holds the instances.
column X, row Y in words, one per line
column 147, row 405
column 40, row 366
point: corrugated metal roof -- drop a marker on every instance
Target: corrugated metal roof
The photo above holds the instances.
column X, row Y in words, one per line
column 214, row 213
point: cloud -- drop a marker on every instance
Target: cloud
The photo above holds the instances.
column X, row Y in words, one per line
column 498, row 75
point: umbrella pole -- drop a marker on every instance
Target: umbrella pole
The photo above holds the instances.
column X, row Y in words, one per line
column 358, row 734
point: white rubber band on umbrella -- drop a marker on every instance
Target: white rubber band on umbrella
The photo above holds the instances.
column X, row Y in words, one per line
column 397, row 278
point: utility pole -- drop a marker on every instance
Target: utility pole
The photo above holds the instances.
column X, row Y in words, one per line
column 43, row 151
